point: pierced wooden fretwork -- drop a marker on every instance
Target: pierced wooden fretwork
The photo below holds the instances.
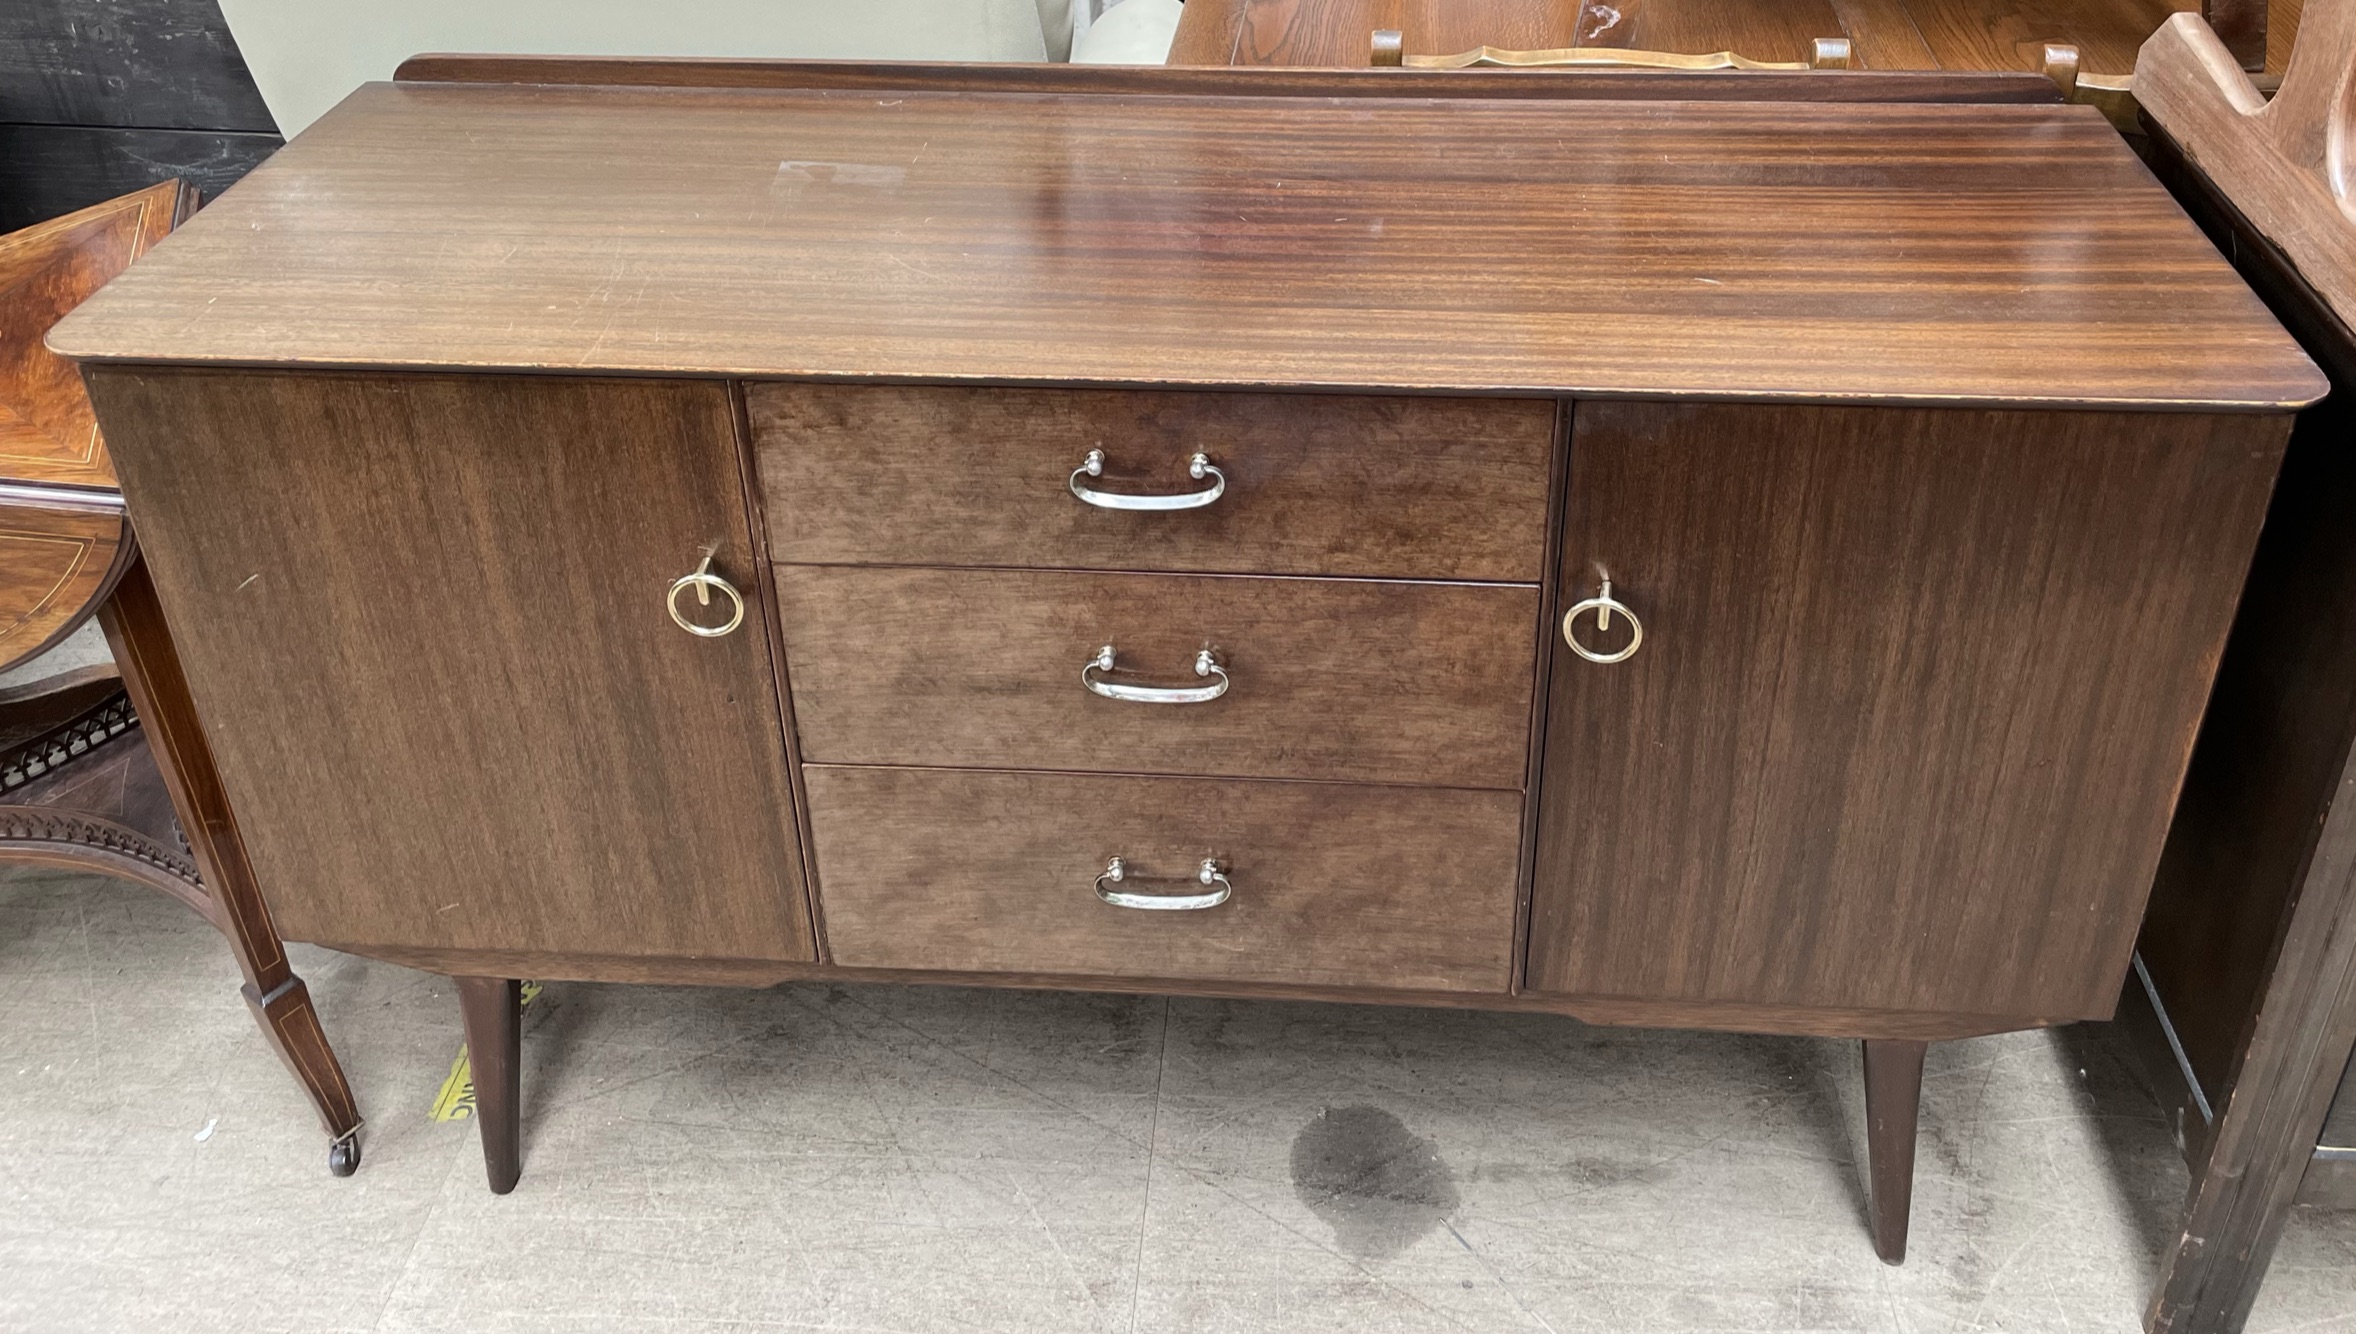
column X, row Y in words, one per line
column 24, row 763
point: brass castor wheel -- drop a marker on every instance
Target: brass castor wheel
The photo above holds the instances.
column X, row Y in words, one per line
column 343, row 1156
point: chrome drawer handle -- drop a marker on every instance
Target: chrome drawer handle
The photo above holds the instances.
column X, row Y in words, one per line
column 1604, row 605
column 1197, row 467
column 1206, row 663
column 1117, row 871
column 704, row 582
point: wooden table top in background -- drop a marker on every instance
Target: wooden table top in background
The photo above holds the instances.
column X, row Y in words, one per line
column 1886, row 34
column 48, row 435
column 1890, row 253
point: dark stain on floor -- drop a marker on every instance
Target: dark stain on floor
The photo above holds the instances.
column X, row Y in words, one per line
column 1375, row 1182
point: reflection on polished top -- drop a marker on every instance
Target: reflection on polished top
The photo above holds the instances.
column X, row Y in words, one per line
column 1884, row 253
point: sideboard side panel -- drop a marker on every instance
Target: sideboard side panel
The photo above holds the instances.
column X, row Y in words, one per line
column 1914, row 699
column 423, row 619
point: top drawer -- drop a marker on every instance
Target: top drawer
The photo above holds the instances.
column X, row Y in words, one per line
column 1422, row 488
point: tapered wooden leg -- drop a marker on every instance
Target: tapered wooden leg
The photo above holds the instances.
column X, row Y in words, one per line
column 493, row 1010
column 281, row 1004
column 1893, row 1101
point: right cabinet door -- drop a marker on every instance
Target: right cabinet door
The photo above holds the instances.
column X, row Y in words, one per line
column 1914, row 694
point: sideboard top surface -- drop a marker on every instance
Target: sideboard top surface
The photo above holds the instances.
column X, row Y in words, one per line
column 1886, row 253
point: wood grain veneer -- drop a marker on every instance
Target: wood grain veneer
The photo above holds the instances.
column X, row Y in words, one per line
column 1884, row 36
column 2012, row 34
column 1914, row 699
column 1342, row 679
column 58, row 558
column 1430, row 488
column 458, row 581
column 1760, row 29
column 63, row 540
column 1384, row 887
column 1220, row 79
column 1316, row 32
column 1209, row 33
column 1736, row 250
column 47, row 432
column 1728, row 1017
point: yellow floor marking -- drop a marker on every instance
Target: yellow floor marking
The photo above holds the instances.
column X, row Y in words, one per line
column 456, row 1100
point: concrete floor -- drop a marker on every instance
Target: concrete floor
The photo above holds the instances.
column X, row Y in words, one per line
column 926, row 1160
column 85, row 647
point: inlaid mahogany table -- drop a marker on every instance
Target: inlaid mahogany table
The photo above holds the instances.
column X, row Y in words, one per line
column 105, row 768
column 1733, row 564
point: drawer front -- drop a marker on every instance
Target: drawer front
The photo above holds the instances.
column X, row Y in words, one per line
column 1333, row 885
column 1423, row 488
column 1327, row 679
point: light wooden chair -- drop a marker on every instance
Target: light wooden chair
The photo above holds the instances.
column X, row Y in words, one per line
column 2244, row 994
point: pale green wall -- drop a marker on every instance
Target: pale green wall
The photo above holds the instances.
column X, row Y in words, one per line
column 306, row 55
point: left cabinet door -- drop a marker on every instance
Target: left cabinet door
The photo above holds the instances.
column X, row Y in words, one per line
column 423, row 618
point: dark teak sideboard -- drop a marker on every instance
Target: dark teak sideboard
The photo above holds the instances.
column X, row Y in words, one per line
column 1201, row 544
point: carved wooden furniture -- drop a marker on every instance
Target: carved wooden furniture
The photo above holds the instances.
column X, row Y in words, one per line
column 1201, row 544
column 2245, row 987
column 1955, row 35
column 98, row 773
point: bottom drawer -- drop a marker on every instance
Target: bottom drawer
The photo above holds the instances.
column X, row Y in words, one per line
column 1333, row 884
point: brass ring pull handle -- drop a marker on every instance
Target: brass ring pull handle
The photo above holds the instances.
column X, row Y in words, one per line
column 1206, row 663
column 1197, row 468
column 1208, row 876
column 704, row 582
column 1605, row 606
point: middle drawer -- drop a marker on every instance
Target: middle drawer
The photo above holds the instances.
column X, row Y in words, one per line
column 1337, row 679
